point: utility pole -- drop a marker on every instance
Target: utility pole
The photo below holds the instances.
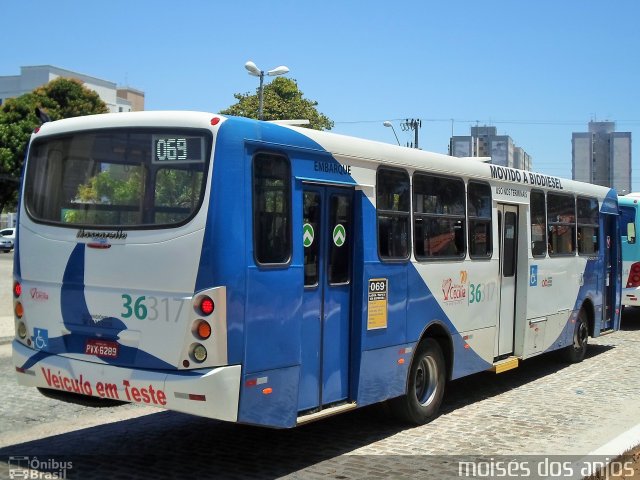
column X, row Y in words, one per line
column 412, row 124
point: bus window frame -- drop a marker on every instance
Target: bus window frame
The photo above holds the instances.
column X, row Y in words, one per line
column 550, row 224
column 287, row 263
column 408, row 214
column 463, row 255
column 489, row 254
column 545, row 225
column 208, row 161
column 596, row 226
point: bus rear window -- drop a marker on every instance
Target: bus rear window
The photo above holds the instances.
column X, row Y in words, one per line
column 117, row 178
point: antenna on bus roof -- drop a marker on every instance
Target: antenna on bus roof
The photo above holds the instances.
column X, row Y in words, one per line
column 42, row 115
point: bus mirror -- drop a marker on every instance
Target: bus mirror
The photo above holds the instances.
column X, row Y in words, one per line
column 631, row 233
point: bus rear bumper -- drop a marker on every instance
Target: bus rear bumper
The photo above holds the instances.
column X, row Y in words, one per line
column 631, row 297
column 211, row 392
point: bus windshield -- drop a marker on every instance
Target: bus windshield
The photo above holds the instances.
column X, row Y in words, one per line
column 118, row 178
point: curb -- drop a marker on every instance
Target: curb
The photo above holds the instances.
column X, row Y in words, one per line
column 5, row 340
column 610, row 451
column 621, row 443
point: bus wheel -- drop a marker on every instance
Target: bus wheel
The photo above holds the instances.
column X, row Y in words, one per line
column 575, row 352
column 426, row 384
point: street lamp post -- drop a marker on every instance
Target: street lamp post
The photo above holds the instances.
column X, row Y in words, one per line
column 256, row 72
column 387, row 123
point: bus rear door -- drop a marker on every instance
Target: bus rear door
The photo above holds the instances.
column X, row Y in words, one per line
column 508, row 230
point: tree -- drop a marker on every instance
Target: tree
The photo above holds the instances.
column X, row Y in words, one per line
column 61, row 98
column 282, row 101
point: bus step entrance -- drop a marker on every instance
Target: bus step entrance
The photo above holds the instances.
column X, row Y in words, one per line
column 326, row 412
column 505, row 364
column 606, row 332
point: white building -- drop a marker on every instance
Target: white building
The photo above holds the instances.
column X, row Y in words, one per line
column 117, row 99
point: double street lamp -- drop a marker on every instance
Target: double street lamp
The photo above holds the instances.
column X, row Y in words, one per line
column 256, row 72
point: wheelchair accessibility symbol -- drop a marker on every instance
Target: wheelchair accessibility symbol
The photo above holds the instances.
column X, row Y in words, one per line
column 40, row 338
column 533, row 276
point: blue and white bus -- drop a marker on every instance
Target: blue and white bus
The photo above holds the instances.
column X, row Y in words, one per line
column 630, row 249
column 267, row 274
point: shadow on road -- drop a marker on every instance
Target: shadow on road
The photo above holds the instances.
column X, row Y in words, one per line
column 630, row 319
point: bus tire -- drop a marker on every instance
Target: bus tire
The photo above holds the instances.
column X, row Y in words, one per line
column 425, row 388
column 575, row 352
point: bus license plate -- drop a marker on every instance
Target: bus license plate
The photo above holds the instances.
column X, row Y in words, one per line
column 101, row 348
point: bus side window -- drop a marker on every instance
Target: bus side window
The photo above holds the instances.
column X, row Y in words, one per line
column 538, row 224
column 271, row 209
column 392, row 205
column 479, row 213
column 438, row 217
column 588, row 227
column 562, row 224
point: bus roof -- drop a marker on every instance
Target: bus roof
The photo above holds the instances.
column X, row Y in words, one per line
column 340, row 146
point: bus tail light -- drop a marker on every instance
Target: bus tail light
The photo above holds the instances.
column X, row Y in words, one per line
column 634, row 276
column 22, row 330
column 203, row 329
column 19, row 310
column 17, row 289
column 198, row 352
column 206, row 306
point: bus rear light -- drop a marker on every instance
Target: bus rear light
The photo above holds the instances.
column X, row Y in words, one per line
column 22, row 330
column 191, row 396
column 19, row 310
column 198, row 352
column 206, row 306
column 17, row 289
column 634, row 276
column 203, row 329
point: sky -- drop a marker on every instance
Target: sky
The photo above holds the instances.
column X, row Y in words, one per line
column 538, row 70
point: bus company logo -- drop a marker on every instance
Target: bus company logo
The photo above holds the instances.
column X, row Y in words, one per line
column 546, row 282
column 453, row 292
column 117, row 235
column 38, row 295
column 37, row 468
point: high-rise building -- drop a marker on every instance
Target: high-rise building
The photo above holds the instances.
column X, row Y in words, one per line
column 485, row 142
column 602, row 156
column 122, row 99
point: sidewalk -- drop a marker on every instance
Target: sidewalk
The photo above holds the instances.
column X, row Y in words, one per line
column 7, row 329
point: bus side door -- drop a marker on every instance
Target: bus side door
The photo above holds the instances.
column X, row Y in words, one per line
column 327, row 237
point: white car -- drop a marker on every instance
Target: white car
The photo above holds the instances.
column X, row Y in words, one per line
column 7, row 239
